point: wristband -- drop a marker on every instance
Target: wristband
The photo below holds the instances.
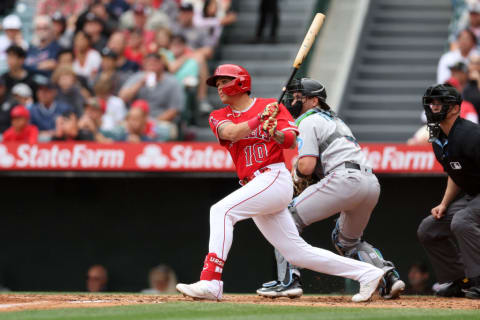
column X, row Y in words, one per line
column 288, row 139
column 253, row 123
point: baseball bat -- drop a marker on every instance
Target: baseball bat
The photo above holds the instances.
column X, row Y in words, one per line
column 304, row 49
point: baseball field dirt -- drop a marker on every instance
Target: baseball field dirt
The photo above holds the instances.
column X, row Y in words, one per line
column 19, row 302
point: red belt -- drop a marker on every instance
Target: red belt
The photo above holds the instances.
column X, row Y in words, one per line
column 252, row 176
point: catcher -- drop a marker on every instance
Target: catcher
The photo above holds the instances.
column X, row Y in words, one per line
column 330, row 176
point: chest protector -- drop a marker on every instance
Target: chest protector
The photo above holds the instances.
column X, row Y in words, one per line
column 341, row 129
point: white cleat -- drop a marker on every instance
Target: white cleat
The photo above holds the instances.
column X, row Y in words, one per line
column 203, row 289
column 367, row 289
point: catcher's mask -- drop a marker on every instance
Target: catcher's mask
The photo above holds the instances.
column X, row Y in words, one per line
column 308, row 88
column 445, row 95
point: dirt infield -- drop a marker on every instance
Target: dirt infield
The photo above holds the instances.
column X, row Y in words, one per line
column 16, row 302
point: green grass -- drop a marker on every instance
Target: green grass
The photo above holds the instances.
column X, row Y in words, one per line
column 201, row 310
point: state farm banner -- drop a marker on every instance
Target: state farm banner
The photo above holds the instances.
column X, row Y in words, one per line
column 183, row 156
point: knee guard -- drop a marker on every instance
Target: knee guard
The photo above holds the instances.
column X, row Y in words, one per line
column 296, row 218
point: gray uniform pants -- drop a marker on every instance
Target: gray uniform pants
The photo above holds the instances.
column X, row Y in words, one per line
column 351, row 192
column 461, row 222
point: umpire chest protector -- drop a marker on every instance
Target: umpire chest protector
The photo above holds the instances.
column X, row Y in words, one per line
column 459, row 154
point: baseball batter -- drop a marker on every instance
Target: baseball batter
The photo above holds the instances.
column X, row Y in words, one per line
column 328, row 151
column 255, row 130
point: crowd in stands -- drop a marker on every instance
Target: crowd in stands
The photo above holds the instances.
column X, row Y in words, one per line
column 108, row 70
column 460, row 65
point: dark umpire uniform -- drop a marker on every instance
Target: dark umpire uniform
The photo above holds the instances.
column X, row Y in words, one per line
column 459, row 154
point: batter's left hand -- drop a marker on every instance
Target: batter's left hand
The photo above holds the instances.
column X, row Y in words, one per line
column 270, row 126
column 270, row 111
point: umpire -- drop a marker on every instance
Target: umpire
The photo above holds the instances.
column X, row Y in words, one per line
column 456, row 143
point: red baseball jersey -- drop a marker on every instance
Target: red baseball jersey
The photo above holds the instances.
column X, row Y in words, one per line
column 257, row 150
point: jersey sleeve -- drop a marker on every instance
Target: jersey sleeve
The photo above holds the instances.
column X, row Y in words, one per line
column 285, row 121
column 313, row 131
column 217, row 119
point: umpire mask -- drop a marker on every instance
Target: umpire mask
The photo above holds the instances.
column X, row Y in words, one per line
column 445, row 95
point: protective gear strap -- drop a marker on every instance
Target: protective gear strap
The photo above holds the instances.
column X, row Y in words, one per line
column 288, row 139
column 212, row 268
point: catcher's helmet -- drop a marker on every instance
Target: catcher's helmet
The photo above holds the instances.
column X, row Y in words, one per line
column 241, row 79
column 446, row 94
column 309, row 88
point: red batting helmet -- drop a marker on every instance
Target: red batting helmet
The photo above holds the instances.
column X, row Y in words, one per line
column 241, row 82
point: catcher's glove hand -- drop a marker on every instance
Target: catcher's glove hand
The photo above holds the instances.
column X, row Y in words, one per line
column 270, row 126
column 300, row 183
column 270, row 111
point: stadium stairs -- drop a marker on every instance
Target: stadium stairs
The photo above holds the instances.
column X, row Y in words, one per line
column 269, row 64
column 396, row 59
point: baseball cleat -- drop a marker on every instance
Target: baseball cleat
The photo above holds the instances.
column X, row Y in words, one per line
column 276, row 289
column 202, row 290
column 393, row 286
column 367, row 289
column 454, row 289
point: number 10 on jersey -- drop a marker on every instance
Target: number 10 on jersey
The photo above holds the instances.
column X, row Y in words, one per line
column 257, row 152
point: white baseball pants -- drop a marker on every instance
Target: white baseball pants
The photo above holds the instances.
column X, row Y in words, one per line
column 265, row 200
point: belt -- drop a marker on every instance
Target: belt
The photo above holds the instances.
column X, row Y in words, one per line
column 246, row 180
column 355, row 166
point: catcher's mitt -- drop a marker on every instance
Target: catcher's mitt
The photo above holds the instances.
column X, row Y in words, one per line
column 301, row 182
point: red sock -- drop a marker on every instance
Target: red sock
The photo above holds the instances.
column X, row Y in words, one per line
column 212, row 268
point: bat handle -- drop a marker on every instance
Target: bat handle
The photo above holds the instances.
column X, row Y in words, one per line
column 284, row 89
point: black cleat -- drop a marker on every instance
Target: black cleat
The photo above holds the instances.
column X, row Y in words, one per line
column 393, row 286
column 474, row 291
column 276, row 289
column 454, row 289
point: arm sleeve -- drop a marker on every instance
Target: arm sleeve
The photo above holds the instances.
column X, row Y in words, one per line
column 216, row 120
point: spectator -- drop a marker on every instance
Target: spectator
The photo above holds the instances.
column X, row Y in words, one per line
column 22, row 94
column 156, row 130
column 99, row 9
column 466, row 48
column 197, row 38
column 117, row 44
column 183, row 66
column 97, row 278
column 134, row 129
column 202, row 46
column 145, row 17
column 471, row 93
column 16, row 72
column 63, row 29
column 459, row 76
column 5, row 107
column 268, row 10
column 208, row 19
column 69, row 91
column 13, row 35
column 161, row 90
column 418, row 280
column 21, row 130
column 134, row 50
column 47, row 108
column 87, row 60
column 474, row 18
column 109, row 69
column 65, row 57
column 42, row 54
column 67, row 129
column 91, row 121
column 162, row 279
column 163, row 36
column 115, row 107
column 66, row 7
column 93, row 27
